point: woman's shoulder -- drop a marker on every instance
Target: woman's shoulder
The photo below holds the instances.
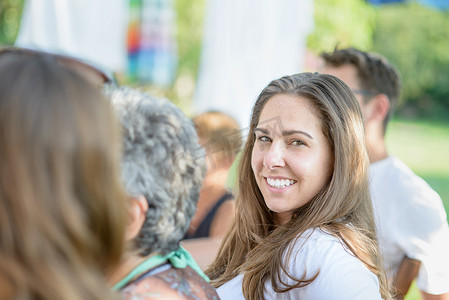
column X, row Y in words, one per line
column 318, row 247
column 339, row 272
column 314, row 236
column 167, row 282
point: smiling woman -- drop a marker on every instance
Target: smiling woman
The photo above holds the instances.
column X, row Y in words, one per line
column 290, row 165
column 304, row 221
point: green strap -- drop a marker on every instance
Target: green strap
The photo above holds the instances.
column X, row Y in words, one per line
column 179, row 259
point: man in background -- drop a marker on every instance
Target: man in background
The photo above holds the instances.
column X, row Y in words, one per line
column 410, row 217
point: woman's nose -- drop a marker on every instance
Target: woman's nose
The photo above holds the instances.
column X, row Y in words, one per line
column 274, row 157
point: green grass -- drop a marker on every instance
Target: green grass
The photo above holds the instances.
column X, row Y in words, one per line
column 413, row 293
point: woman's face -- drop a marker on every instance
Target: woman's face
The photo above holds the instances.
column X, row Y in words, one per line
column 291, row 157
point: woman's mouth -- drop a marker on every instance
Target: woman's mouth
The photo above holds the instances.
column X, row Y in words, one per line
column 280, row 183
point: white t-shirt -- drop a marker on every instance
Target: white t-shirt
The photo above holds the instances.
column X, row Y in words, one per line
column 342, row 276
column 411, row 221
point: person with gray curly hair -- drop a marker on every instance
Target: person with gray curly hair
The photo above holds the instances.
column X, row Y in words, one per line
column 163, row 167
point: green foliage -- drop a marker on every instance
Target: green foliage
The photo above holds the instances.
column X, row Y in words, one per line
column 190, row 15
column 344, row 23
column 10, row 11
column 415, row 39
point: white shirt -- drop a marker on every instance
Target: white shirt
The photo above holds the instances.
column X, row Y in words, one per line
column 342, row 275
column 411, row 221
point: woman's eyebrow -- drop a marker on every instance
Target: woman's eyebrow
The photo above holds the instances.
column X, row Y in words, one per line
column 292, row 132
column 284, row 132
column 264, row 131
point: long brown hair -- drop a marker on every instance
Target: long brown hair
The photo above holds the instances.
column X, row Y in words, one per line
column 62, row 207
column 255, row 245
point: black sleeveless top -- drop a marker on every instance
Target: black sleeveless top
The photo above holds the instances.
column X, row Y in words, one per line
column 203, row 229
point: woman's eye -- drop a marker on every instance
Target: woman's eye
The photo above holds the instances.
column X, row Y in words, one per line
column 263, row 138
column 298, row 143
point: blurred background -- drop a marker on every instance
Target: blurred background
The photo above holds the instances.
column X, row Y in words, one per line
column 413, row 35
column 190, row 34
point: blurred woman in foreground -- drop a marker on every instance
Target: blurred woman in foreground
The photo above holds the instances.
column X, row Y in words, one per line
column 61, row 204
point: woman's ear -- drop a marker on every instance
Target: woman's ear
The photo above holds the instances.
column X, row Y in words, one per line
column 137, row 210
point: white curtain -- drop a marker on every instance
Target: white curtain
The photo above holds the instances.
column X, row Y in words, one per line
column 246, row 44
column 93, row 30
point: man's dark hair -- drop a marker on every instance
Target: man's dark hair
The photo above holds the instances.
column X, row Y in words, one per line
column 376, row 74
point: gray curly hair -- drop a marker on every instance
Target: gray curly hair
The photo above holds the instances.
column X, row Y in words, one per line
column 162, row 161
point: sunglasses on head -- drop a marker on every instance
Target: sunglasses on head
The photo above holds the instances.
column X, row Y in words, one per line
column 364, row 93
column 92, row 73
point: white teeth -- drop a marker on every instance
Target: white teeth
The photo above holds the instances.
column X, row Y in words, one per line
column 280, row 183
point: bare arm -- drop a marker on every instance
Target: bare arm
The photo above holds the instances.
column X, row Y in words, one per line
column 407, row 272
column 426, row 296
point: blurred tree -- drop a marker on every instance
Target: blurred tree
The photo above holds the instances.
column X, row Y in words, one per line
column 10, row 11
column 415, row 39
column 190, row 33
column 190, row 17
column 344, row 23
